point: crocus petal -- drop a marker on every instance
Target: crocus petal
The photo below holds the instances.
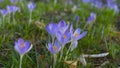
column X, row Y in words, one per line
column 61, row 23
column 17, row 48
column 57, row 45
column 71, row 30
column 58, row 36
column 62, row 26
column 28, row 46
column 82, row 35
column 20, row 40
column 77, row 31
column 48, row 28
column 50, row 48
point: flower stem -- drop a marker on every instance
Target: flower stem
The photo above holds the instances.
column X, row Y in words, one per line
column 14, row 22
column 9, row 18
column 54, row 63
column 67, row 52
column 22, row 4
column 21, row 56
column 55, row 1
column 30, row 19
column 1, row 24
column 61, row 53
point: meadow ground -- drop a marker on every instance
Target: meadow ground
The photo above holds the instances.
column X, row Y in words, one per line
column 29, row 20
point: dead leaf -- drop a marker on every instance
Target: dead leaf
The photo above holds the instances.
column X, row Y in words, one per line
column 72, row 64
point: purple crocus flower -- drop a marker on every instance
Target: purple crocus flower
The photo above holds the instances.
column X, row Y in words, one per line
column 51, row 29
column 13, row 9
column 85, row 1
column 62, row 26
column 70, row 2
column 91, row 18
column 1, row 1
column 77, row 35
column 98, row 4
column 77, row 18
column 13, row 1
column 4, row 12
column 54, row 48
column 114, row 7
column 63, row 38
column 109, row 1
column 22, row 46
column 31, row 6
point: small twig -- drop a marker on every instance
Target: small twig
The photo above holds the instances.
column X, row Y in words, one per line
column 96, row 55
column 82, row 57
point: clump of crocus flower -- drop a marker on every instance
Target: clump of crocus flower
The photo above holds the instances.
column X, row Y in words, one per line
column 14, row 1
column 62, row 34
column 3, row 12
column 54, row 48
column 22, row 47
column 12, row 10
column 75, row 36
column 112, row 5
column 77, row 18
column 98, row 4
column 87, row 1
column 92, row 17
column 31, row 6
column 1, row 1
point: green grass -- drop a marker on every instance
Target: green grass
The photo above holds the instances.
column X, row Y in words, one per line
column 102, row 34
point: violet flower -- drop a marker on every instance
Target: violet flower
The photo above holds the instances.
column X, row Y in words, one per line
column 85, row 1
column 4, row 12
column 109, row 1
column 31, row 6
column 77, row 18
column 91, row 18
column 114, row 7
column 1, row 1
column 22, row 47
column 111, row 4
column 54, row 48
column 98, row 4
column 63, row 38
column 51, row 29
column 62, row 26
column 60, row 31
column 13, row 9
column 70, row 2
column 77, row 35
column 14, row 1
